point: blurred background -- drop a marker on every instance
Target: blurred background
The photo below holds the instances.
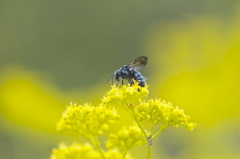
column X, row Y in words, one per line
column 54, row 52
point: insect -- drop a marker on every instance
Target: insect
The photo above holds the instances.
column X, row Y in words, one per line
column 150, row 141
column 130, row 72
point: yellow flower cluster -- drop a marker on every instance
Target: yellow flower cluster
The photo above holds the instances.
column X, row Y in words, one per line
column 159, row 111
column 75, row 151
column 126, row 138
column 88, row 120
column 91, row 121
column 78, row 151
column 155, row 111
column 126, row 96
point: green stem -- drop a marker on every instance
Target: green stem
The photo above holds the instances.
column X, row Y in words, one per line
column 159, row 132
column 145, row 134
column 149, row 148
column 140, row 126
column 149, row 152
column 151, row 129
column 124, row 155
column 97, row 145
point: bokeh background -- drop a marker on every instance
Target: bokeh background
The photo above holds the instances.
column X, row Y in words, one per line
column 54, row 52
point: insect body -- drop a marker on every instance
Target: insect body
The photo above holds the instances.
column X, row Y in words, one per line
column 130, row 72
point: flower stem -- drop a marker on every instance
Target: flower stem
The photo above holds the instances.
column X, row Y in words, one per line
column 151, row 128
column 159, row 132
column 124, row 154
column 149, row 152
column 138, row 123
column 145, row 134
column 97, row 145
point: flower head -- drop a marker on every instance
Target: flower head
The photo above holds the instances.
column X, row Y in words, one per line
column 79, row 151
column 126, row 138
column 75, row 151
column 87, row 119
column 126, row 96
column 159, row 111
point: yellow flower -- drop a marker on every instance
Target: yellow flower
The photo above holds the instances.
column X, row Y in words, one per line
column 75, row 151
column 78, row 151
column 126, row 96
column 126, row 138
column 87, row 120
column 159, row 111
column 92, row 121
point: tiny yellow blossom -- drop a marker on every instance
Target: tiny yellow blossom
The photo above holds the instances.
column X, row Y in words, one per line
column 159, row 111
column 78, row 151
column 126, row 138
column 126, row 96
column 87, row 119
column 75, row 151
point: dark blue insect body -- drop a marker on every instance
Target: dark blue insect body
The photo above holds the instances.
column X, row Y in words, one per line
column 126, row 73
column 130, row 72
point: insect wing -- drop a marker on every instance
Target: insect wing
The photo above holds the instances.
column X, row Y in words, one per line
column 138, row 63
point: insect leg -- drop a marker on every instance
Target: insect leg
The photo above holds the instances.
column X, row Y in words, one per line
column 112, row 80
column 131, row 82
column 117, row 76
column 109, row 78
